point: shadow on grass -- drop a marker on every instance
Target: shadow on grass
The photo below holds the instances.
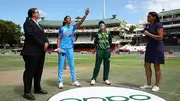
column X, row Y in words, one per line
column 51, row 82
column 127, row 85
column 54, row 82
column 19, row 90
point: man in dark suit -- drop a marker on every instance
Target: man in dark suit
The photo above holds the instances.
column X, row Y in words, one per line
column 33, row 52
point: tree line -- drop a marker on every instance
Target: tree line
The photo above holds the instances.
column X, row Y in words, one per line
column 10, row 33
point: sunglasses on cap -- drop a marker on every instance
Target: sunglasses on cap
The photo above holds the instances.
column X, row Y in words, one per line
column 36, row 12
column 102, row 25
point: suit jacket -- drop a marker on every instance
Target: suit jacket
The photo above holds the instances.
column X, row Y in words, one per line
column 35, row 39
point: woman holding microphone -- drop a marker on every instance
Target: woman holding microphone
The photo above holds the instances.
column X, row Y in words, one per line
column 154, row 50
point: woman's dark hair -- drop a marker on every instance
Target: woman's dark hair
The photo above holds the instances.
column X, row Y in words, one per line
column 31, row 11
column 64, row 23
column 154, row 14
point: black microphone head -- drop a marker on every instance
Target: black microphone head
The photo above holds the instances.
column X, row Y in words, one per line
column 62, row 54
column 146, row 26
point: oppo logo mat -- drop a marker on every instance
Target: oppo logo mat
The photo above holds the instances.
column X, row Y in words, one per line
column 104, row 94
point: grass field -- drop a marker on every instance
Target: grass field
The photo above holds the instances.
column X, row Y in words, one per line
column 126, row 71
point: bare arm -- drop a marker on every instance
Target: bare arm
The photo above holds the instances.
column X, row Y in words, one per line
column 58, row 41
column 82, row 20
column 159, row 35
column 58, row 44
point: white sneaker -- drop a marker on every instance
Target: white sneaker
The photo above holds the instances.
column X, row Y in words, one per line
column 93, row 82
column 60, row 85
column 76, row 83
column 146, row 87
column 155, row 89
column 107, row 82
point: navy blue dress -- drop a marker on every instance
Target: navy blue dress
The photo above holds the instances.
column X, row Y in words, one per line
column 155, row 48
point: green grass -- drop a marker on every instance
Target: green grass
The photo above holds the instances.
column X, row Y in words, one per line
column 126, row 71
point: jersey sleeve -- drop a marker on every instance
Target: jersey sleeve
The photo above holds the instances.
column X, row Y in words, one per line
column 60, row 31
column 74, row 27
column 96, row 40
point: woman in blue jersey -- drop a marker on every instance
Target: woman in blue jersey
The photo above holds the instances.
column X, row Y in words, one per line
column 154, row 50
column 65, row 48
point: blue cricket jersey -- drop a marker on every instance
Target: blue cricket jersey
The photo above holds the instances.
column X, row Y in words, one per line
column 67, row 36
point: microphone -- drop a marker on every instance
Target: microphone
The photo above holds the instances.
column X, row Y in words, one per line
column 62, row 52
column 146, row 27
